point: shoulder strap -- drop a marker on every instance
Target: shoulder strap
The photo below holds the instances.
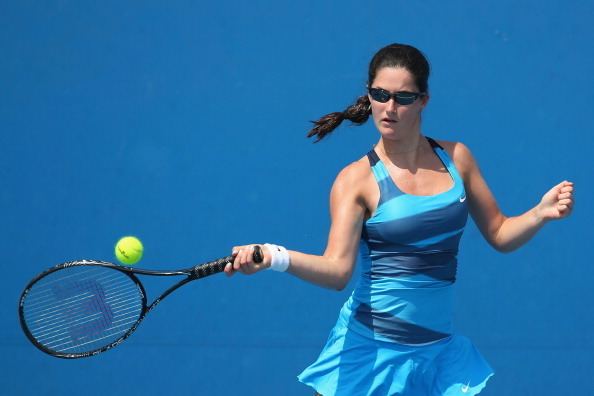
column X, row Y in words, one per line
column 433, row 143
column 372, row 157
column 388, row 189
column 446, row 160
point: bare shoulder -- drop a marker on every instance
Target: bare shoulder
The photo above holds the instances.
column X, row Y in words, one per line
column 353, row 177
column 460, row 154
column 355, row 172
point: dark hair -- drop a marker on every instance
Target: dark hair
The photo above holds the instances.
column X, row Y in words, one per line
column 393, row 55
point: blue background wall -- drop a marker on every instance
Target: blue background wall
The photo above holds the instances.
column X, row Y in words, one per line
column 184, row 124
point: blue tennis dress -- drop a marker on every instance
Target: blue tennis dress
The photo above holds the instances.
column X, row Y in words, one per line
column 394, row 335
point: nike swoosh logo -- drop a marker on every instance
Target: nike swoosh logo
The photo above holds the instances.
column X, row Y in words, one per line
column 465, row 388
column 462, row 199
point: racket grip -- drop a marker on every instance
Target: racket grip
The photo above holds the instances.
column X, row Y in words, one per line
column 214, row 267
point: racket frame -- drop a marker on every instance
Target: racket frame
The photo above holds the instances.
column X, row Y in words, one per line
column 191, row 274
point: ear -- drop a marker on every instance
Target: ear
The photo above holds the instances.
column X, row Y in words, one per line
column 425, row 100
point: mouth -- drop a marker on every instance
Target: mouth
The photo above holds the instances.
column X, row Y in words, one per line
column 389, row 120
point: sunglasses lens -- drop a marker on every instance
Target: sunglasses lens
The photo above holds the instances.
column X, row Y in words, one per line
column 379, row 95
column 405, row 98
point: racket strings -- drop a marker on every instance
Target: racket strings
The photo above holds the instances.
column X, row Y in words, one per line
column 82, row 308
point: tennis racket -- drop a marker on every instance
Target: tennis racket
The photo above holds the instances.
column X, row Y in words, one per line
column 82, row 308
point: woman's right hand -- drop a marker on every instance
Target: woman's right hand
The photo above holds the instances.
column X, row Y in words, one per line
column 244, row 260
column 334, row 268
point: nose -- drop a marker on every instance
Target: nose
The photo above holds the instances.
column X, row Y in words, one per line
column 392, row 104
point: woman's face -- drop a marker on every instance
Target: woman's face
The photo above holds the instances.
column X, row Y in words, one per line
column 394, row 120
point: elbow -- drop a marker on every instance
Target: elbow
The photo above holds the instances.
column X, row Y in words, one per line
column 340, row 272
column 342, row 280
column 497, row 241
column 503, row 247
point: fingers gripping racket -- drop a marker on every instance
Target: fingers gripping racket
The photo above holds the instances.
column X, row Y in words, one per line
column 82, row 308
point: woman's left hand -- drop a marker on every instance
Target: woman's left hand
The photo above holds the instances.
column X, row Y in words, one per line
column 557, row 203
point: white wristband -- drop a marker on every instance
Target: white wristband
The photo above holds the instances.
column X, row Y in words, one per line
column 280, row 258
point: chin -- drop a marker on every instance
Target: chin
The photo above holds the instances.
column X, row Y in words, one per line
column 389, row 133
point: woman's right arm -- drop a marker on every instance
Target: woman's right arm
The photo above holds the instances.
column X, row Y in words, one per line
column 334, row 268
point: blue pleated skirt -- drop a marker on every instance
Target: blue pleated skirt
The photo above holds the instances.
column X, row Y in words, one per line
column 351, row 364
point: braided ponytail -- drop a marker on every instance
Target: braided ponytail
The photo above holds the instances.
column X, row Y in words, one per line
column 357, row 113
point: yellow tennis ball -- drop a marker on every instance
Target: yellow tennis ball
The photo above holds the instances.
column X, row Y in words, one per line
column 129, row 250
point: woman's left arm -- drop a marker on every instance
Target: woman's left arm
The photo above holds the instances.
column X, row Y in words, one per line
column 504, row 233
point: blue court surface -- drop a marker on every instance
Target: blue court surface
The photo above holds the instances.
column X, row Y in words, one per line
column 184, row 123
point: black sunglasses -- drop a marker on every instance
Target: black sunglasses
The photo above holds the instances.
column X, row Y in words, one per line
column 401, row 97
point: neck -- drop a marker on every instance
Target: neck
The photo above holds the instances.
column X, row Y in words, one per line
column 403, row 152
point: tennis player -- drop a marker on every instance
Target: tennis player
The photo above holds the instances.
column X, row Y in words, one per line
column 403, row 207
